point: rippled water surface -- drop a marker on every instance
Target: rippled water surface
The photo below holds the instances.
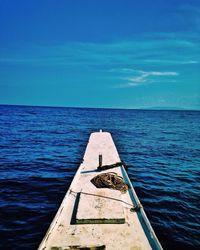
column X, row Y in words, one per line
column 42, row 147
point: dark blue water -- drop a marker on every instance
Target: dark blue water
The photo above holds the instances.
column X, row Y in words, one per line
column 42, row 147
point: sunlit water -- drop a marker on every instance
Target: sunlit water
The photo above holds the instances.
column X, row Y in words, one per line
column 41, row 149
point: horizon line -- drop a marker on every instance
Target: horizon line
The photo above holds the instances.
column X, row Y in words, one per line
column 122, row 108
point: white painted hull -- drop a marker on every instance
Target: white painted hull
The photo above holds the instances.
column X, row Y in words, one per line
column 92, row 217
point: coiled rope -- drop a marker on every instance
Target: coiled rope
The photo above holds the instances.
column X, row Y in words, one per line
column 110, row 180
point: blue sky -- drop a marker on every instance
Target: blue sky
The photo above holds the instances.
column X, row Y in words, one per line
column 98, row 53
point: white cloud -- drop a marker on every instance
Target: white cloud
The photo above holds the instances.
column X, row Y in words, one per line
column 190, row 62
column 156, row 48
column 149, row 77
column 171, row 61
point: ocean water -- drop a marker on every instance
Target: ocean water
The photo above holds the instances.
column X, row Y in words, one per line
column 42, row 147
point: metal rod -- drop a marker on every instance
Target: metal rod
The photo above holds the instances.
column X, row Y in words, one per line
column 100, row 160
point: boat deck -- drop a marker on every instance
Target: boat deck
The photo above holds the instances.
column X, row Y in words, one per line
column 99, row 218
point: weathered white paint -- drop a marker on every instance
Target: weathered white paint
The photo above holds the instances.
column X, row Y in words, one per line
column 126, row 233
column 99, row 208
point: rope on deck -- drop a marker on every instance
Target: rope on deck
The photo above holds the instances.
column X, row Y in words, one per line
column 110, row 180
column 132, row 209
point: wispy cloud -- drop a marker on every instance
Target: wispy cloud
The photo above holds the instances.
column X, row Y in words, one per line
column 146, row 77
column 171, row 62
column 150, row 58
column 157, row 48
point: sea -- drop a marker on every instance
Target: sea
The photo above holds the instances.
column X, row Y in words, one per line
column 41, row 149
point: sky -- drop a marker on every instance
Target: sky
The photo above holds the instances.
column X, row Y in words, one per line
column 100, row 53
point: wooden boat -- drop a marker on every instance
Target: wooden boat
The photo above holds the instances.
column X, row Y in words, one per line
column 100, row 218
